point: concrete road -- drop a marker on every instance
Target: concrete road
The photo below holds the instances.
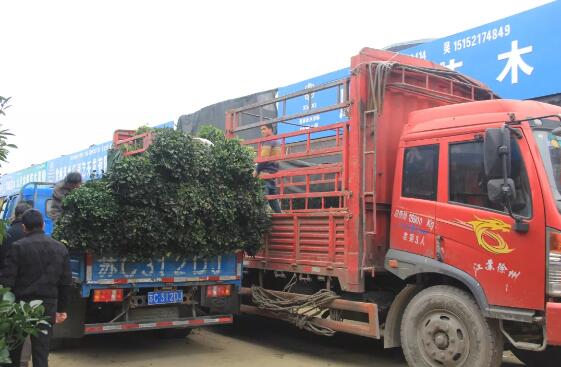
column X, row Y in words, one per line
column 253, row 342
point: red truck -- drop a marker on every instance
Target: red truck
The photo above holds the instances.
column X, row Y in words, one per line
column 433, row 215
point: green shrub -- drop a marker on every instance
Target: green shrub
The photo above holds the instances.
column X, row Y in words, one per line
column 181, row 197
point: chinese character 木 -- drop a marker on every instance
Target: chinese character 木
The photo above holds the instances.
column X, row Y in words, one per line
column 514, row 57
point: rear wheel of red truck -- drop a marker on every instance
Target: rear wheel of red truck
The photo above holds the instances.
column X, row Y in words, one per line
column 548, row 358
column 443, row 326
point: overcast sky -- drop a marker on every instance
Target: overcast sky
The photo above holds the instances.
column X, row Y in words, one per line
column 77, row 70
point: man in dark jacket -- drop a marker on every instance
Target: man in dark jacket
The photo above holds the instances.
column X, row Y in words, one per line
column 15, row 232
column 72, row 181
column 38, row 268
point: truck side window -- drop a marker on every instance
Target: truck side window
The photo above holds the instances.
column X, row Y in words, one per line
column 420, row 172
column 468, row 183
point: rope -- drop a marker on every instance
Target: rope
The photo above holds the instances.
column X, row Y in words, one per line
column 379, row 74
column 300, row 309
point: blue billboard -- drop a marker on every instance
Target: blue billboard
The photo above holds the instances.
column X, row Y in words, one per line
column 518, row 57
column 90, row 162
column 311, row 101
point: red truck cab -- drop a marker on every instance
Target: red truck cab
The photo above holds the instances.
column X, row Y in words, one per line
column 444, row 221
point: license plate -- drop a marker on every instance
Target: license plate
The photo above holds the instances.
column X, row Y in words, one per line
column 165, row 297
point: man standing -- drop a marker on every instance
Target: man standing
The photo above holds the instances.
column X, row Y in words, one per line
column 14, row 234
column 269, row 148
column 72, row 181
column 38, row 268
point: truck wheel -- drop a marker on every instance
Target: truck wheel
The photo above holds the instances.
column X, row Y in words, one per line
column 443, row 326
column 548, row 358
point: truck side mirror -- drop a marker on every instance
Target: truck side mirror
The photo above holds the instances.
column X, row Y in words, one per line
column 496, row 146
column 497, row 162
column 496, row 193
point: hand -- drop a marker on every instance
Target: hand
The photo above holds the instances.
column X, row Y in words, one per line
column 61, row 317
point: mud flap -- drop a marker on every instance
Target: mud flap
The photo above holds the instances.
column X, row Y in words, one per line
column 73, row 327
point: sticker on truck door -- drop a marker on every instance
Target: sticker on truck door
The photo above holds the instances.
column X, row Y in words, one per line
column 487, row 233
column 413, row 232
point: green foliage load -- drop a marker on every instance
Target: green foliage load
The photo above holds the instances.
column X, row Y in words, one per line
column 181, row 198
column 17, row 320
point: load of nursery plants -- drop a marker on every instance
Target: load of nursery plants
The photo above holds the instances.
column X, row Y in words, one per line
column 180, row 197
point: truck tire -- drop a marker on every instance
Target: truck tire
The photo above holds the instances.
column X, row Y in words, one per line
column 442, row 325
column 548, row 358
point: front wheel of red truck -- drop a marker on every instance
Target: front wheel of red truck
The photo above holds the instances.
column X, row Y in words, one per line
column 443, row 326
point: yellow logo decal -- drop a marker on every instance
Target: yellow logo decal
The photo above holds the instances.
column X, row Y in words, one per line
column 483, row 231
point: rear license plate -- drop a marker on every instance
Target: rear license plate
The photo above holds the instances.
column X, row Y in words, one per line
column 165, row 297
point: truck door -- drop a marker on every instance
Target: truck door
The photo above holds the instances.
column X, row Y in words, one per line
column 479, row 237
column 413, row 214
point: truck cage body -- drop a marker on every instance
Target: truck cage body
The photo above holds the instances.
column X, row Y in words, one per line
column 337, row 191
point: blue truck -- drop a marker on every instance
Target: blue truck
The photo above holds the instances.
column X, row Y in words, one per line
column 111, row 294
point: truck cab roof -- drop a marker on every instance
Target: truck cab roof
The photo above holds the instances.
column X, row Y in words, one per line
column 473, row 114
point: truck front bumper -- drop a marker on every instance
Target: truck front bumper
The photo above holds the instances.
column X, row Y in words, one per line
column 553, row 323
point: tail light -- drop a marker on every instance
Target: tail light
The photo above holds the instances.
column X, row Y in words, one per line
column 218, row 291
column 554, row 263
column 108, row 295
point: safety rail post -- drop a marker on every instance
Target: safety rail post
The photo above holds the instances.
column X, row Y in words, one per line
column 129, row 137
column 355, row 245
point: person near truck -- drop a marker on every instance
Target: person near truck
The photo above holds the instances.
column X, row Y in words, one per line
column 14, row 234
column 72, row 181
column 16, row 231
column 269, row 149
column 37, row 267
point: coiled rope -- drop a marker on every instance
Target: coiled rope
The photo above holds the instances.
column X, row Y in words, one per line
column 299, row 309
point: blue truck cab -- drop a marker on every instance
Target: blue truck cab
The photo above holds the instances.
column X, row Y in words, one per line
column 111, row 294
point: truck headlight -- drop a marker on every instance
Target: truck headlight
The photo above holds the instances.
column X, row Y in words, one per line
column 554, row 263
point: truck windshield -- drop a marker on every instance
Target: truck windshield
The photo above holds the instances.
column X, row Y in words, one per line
column 550, row 150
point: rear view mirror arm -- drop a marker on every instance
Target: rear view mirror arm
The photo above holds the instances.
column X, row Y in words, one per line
column 520, row 225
